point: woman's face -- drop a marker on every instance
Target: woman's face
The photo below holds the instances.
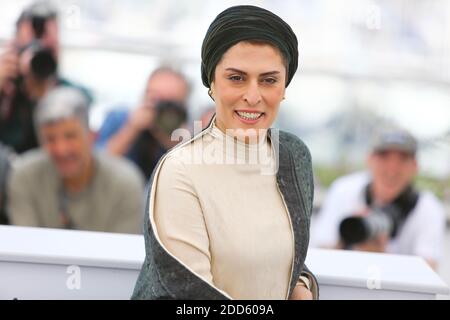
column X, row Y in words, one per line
column 248, row 86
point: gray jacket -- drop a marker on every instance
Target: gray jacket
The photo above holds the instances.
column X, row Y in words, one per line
column 164, row 277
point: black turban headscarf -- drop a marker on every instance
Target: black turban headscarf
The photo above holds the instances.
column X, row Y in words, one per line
column 241, row 23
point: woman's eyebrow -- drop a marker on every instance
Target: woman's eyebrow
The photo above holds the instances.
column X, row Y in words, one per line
column 269, row 73
column 235, row 70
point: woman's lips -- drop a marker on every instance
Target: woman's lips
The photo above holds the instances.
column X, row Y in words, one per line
column 249, row 117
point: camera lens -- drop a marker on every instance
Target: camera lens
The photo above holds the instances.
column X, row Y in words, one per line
column 171, row 115
column 43, row 64
column 354, row 230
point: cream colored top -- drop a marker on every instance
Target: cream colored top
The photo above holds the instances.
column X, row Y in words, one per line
column 218, row 209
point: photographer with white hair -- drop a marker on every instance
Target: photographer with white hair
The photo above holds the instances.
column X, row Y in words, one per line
column 66, row 184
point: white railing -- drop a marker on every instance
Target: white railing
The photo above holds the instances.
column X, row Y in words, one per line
column 38, row 263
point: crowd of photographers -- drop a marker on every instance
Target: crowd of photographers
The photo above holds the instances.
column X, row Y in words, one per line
column 55, row 173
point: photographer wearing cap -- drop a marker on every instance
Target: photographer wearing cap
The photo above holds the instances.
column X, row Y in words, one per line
column 28, row 70
column 381, row 210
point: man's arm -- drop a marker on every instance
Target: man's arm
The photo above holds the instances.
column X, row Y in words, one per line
column 112, row 124
column 139, row 120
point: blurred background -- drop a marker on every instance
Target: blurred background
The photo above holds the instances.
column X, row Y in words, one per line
column 361, row 65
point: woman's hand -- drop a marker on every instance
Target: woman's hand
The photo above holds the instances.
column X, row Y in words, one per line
column 300, row 292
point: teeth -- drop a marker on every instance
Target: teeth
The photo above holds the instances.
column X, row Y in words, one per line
column 249, row 115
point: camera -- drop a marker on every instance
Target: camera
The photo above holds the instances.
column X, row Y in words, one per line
column 358, row 229
column 170, row 115
column 43, row 62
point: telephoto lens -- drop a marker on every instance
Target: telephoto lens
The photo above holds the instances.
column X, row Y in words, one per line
column 358, row 229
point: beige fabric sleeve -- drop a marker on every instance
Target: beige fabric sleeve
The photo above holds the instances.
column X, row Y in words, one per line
column 179, row 219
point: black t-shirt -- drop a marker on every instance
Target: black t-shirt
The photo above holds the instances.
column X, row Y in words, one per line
column 16, row 123
column 146, row 152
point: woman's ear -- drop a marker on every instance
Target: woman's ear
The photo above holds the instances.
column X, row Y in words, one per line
column 211, row 92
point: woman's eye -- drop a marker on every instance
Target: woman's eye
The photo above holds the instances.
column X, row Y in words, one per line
column 270, row 80
column 236, row 78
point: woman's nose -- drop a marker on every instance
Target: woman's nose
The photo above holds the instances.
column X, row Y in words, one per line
column 252, row 95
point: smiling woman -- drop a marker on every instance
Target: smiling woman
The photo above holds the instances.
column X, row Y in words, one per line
column 236, row 227
column 249, row 84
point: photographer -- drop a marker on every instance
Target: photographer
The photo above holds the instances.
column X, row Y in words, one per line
column 144, row 134
column 28, row 70
column 380, row 210
column 67, row 185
